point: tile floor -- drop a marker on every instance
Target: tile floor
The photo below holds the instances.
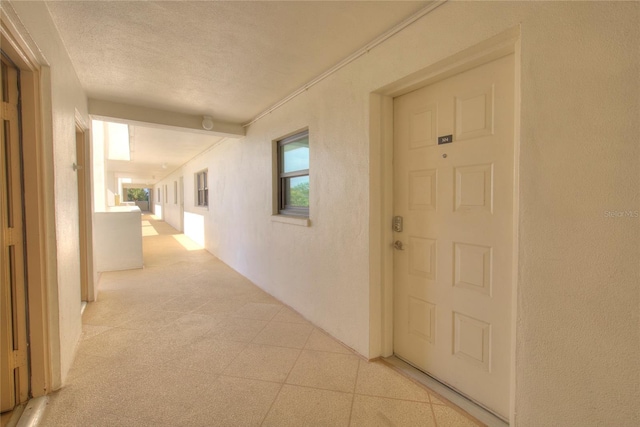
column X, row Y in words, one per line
column 187, row 341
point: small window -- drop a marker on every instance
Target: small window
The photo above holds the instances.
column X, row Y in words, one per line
column 159, row 199
column 293, row 175
column 202, row 191
column 175, row 192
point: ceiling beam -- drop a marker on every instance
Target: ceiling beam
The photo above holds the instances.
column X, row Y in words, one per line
column 132, row 114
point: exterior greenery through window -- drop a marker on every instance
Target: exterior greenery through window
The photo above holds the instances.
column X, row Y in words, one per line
column 202, row 191
column 293, row 175
column 138, row 194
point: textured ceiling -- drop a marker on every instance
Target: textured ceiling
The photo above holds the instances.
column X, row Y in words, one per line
column 228, row 59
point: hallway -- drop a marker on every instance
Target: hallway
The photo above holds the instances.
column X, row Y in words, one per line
column 187, row 341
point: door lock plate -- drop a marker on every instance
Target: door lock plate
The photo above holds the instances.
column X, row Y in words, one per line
column 397, row 224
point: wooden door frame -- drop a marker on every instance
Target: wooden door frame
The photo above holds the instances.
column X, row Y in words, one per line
column 381, row 186
column 38, row 183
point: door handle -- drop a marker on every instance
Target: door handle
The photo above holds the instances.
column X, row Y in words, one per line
column 398, row 245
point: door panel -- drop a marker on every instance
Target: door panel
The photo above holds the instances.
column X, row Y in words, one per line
column 14, row 380
column 452, row 280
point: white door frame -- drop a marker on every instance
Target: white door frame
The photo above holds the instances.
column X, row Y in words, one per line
column 381, row 185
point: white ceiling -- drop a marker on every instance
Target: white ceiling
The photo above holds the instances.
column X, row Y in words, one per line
column 228, row 59
column 156, row 152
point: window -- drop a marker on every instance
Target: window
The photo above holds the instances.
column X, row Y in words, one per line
column 293, row 175
column 175, row 192
column 202, row 191
column 159, row 200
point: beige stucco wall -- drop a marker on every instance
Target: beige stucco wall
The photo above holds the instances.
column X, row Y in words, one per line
column 66, row 96
column 577, row 292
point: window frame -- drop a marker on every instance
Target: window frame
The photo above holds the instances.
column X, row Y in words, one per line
column 205, row 190
column 282, row 207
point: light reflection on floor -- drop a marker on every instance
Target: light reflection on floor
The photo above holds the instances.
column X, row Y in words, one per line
column 148, row 229
column 187, row 243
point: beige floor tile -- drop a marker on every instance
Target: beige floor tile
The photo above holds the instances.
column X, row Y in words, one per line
column 449, row 417
column 238, row 329
column 329, row 371
column 261, row 297
column 193, row 324
column 320, row 341
column 112, row 343
column 258, row 311
column 152, row 289
column 437, row 400
column 82, row 418
column 301, row 406
column 111, row 313
column 85, row 364
column 90, row 331
column 163, row 394
column 283, row 334
column 137, row 347
column 155, row 350
column 118, row 311
column 377, row 379
column 233, row 402
column 207, row 355
column 218, row 291
column 184, row 303
column 171, row 338
column 220, row 306
column 152, row 320
column 92, row 396
column 147, row 294
column 263, row 363
column 378, row 411
column 290, row 316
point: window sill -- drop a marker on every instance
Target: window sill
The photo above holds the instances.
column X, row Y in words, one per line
column 290, row 219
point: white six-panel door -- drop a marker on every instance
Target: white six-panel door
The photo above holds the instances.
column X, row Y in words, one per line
column 453, row 258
